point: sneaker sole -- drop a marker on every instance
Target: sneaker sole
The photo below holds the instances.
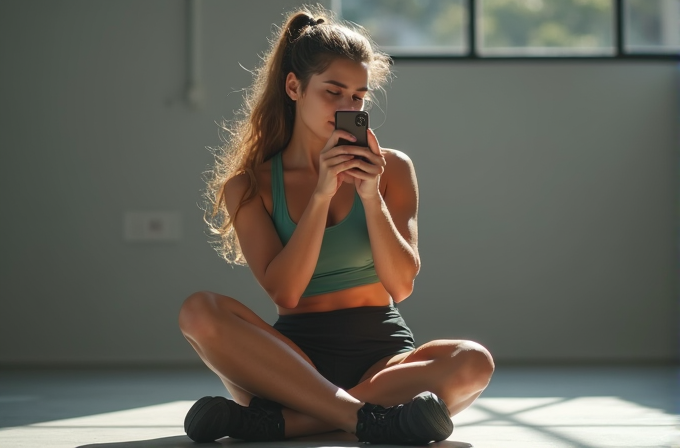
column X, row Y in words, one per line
column 431, row 418
column 196, row 414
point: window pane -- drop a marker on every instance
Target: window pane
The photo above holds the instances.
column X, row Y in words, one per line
column 652, row 26
column 546, row 27
column 417, row 27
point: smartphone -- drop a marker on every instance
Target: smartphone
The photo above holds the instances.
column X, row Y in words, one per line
column 356, row 123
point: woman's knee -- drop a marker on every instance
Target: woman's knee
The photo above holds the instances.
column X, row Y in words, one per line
column 198, row 316
column 474, row 364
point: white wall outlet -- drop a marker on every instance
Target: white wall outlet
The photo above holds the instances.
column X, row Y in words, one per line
column 150, row 226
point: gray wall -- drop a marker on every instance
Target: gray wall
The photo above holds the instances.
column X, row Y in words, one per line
column 549, row 193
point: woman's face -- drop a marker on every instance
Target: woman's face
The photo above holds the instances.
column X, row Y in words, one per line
column 342, row 86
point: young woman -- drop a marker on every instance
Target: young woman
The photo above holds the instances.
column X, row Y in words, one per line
column 332, row 238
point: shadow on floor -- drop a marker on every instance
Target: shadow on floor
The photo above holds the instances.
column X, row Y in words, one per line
column 319, row 441
column 34, row 396
column 30, row 396
column 650, row 386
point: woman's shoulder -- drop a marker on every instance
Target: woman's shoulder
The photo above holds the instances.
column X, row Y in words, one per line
column 242, row 181
column 395, row 154
column 238, row 185
column 398, row 163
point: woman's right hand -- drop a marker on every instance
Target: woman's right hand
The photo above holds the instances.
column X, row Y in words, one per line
column 332, row 162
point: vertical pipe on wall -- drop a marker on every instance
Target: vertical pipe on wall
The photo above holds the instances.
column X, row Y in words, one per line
column 193, row 94
column 677, row 220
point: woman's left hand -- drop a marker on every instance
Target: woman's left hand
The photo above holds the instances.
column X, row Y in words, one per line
column 367, row 175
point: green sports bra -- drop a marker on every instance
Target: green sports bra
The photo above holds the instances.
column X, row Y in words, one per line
column 345, row 259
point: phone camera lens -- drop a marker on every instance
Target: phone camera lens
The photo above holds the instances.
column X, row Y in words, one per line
column 360, row 120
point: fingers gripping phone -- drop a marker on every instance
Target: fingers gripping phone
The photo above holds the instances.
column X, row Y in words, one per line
column 356, row 123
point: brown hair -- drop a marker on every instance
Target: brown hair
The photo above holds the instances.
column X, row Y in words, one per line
column 309, row 41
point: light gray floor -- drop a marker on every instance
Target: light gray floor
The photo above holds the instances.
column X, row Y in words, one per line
column 588, row 407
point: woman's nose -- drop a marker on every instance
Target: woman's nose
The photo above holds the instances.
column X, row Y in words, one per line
column 349, row 105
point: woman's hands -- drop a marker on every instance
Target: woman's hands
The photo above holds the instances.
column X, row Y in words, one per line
column 367, row 175
column 338, row 164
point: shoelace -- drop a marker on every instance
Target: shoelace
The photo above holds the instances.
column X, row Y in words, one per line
column 382, row 424
column 257, row 424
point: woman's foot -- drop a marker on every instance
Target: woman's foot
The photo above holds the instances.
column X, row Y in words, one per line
column 212, row 418
column 423, row 419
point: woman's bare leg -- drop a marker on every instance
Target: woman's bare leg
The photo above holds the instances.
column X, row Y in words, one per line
column 245, row 351
column 456, row 371
column 297, row 424
column 269, row 365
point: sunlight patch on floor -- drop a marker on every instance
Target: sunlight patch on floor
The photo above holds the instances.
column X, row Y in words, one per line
column 547, row 422
column 589, row 422
column 167, row 415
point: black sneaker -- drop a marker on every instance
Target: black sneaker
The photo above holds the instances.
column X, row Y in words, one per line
column 418, row 422
column 212, row 418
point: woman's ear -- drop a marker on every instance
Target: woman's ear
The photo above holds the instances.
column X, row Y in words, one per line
column 293, row 86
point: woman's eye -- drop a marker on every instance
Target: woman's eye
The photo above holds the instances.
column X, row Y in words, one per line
column 333, row 93
column 358, row 98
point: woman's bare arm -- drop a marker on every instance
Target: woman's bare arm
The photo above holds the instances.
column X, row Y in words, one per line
column 283, row 271
column 393, row 228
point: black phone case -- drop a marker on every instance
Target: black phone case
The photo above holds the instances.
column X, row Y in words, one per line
column 356, row 123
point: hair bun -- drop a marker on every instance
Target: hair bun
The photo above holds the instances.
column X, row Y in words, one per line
column 299, row 23
column 311, row 21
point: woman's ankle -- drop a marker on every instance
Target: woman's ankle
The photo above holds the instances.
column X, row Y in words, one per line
column 300, row 425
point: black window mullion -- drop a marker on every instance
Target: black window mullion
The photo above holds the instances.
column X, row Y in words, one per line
column 619, row 28
column 473, row 52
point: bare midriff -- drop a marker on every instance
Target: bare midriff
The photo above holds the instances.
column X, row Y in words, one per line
column 364, row 295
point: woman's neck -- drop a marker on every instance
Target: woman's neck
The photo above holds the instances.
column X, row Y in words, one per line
column 302, row 152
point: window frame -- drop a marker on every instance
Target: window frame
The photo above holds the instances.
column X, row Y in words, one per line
column 473, row 51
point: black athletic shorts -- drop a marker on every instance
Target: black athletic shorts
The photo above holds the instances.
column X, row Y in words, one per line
column 344, row 344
